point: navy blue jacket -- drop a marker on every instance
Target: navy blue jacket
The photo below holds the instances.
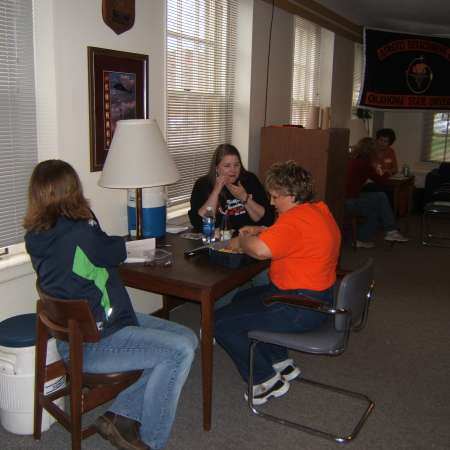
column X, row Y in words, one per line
column 76, row 260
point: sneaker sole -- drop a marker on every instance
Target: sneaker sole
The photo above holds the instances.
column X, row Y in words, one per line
column 276, row 394
column 293, row 375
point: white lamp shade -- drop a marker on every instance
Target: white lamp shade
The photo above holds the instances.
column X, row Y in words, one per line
column 138, row 157
column 358, row 131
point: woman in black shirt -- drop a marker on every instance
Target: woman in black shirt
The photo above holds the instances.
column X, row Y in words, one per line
column 230, row 189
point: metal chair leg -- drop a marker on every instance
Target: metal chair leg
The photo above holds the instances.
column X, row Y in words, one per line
column 341, row 439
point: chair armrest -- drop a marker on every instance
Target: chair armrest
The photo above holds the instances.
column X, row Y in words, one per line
column 340, row 273
column 304, row 302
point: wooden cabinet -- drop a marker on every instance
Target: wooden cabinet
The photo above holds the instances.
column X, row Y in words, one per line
column 324, row 153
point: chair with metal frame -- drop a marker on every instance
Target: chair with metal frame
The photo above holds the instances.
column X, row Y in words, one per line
column 349, row 313
column 435, row 224
column 71, row 321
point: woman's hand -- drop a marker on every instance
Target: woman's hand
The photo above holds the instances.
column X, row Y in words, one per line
column 233, row 243
column 238, row 191
column 221, row 181
column 250, row 230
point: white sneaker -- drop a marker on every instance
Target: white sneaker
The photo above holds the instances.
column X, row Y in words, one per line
column 272, row 388
column 287, row 369
column 365, row 244
column 395, row 236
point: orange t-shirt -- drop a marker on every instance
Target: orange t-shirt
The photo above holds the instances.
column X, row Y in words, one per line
column 305, row 243
column 388, row 161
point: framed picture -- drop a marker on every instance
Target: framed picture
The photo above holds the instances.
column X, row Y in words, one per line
column 118, row 89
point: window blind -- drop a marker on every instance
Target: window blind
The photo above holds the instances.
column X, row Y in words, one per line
column 305, row 70
column 18, row 148
column 201, row 43
column 357, row 75
column 436, row 135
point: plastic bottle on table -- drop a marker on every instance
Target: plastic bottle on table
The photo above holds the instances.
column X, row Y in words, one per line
column 225, row 232
column 405, row 170
column 209, row 226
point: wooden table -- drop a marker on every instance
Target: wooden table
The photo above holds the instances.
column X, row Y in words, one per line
column 194, row 279
column 402, row 192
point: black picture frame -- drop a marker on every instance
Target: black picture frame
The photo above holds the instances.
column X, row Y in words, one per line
column 118, row 89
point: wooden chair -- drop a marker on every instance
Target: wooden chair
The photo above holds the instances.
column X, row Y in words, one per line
column 71, row 321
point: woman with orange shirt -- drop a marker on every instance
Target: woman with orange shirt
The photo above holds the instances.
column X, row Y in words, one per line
column 303, row 246
column 386, row 159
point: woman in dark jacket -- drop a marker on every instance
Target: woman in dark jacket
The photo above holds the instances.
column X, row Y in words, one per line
column 75, row 259
column 230, row 189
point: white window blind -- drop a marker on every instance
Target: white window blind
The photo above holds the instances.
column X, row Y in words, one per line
column 357, row 74
column 305, row 70
column 18, row 151
column 436, row 137
column 201, row 38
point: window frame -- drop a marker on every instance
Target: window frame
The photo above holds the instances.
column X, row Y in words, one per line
column 430, row 155
column 196, row 104
column 18, row 134
column 301, row 109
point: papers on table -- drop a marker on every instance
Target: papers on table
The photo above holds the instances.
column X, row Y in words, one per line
column 398, row 176
column 174, row 229
column 140, row 251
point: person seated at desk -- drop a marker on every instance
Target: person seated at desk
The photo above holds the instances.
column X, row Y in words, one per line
column 385, row 163
column 372, row 205
column 230, row 189
column 385, row 158
column 75, row 259
column 303, row 246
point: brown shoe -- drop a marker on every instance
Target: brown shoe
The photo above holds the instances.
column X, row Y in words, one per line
column 121, row 431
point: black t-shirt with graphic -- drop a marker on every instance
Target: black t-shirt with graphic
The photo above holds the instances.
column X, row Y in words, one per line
column 238, row 216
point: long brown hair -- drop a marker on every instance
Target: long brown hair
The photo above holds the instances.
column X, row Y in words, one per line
column 221, row 151
column 55, row 190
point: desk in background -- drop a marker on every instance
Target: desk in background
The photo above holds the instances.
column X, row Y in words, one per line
column 402, row 193
column 193, row 279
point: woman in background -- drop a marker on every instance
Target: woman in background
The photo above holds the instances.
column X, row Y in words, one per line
column 374, row 206
column 230, row 189
column 385, row 157
column 75, row 259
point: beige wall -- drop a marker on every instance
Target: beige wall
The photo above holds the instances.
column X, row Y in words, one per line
column 65, row 28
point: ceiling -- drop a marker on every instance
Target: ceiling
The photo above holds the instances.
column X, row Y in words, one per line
column 431, row 17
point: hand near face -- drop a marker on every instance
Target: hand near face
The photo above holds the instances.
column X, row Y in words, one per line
column 221, row 181
column 238, row 191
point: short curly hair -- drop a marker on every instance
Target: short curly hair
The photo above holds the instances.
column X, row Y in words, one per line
column 289, row 178
column 388, row 133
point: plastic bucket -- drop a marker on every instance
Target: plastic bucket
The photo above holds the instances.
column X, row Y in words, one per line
column 153, row 212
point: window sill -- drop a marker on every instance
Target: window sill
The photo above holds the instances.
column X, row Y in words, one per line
column 18, row 264
column 15, row 266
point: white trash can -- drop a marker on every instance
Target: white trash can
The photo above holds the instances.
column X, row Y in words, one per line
column 17, row 356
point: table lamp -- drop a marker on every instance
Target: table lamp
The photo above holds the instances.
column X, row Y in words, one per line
column 138, row 158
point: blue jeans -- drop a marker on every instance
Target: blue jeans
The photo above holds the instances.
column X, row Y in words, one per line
column 375, row 207
column 165, row 350
column 247, row 312
column 258, row 280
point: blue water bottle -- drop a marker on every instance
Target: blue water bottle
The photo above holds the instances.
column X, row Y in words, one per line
column 209, row 226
